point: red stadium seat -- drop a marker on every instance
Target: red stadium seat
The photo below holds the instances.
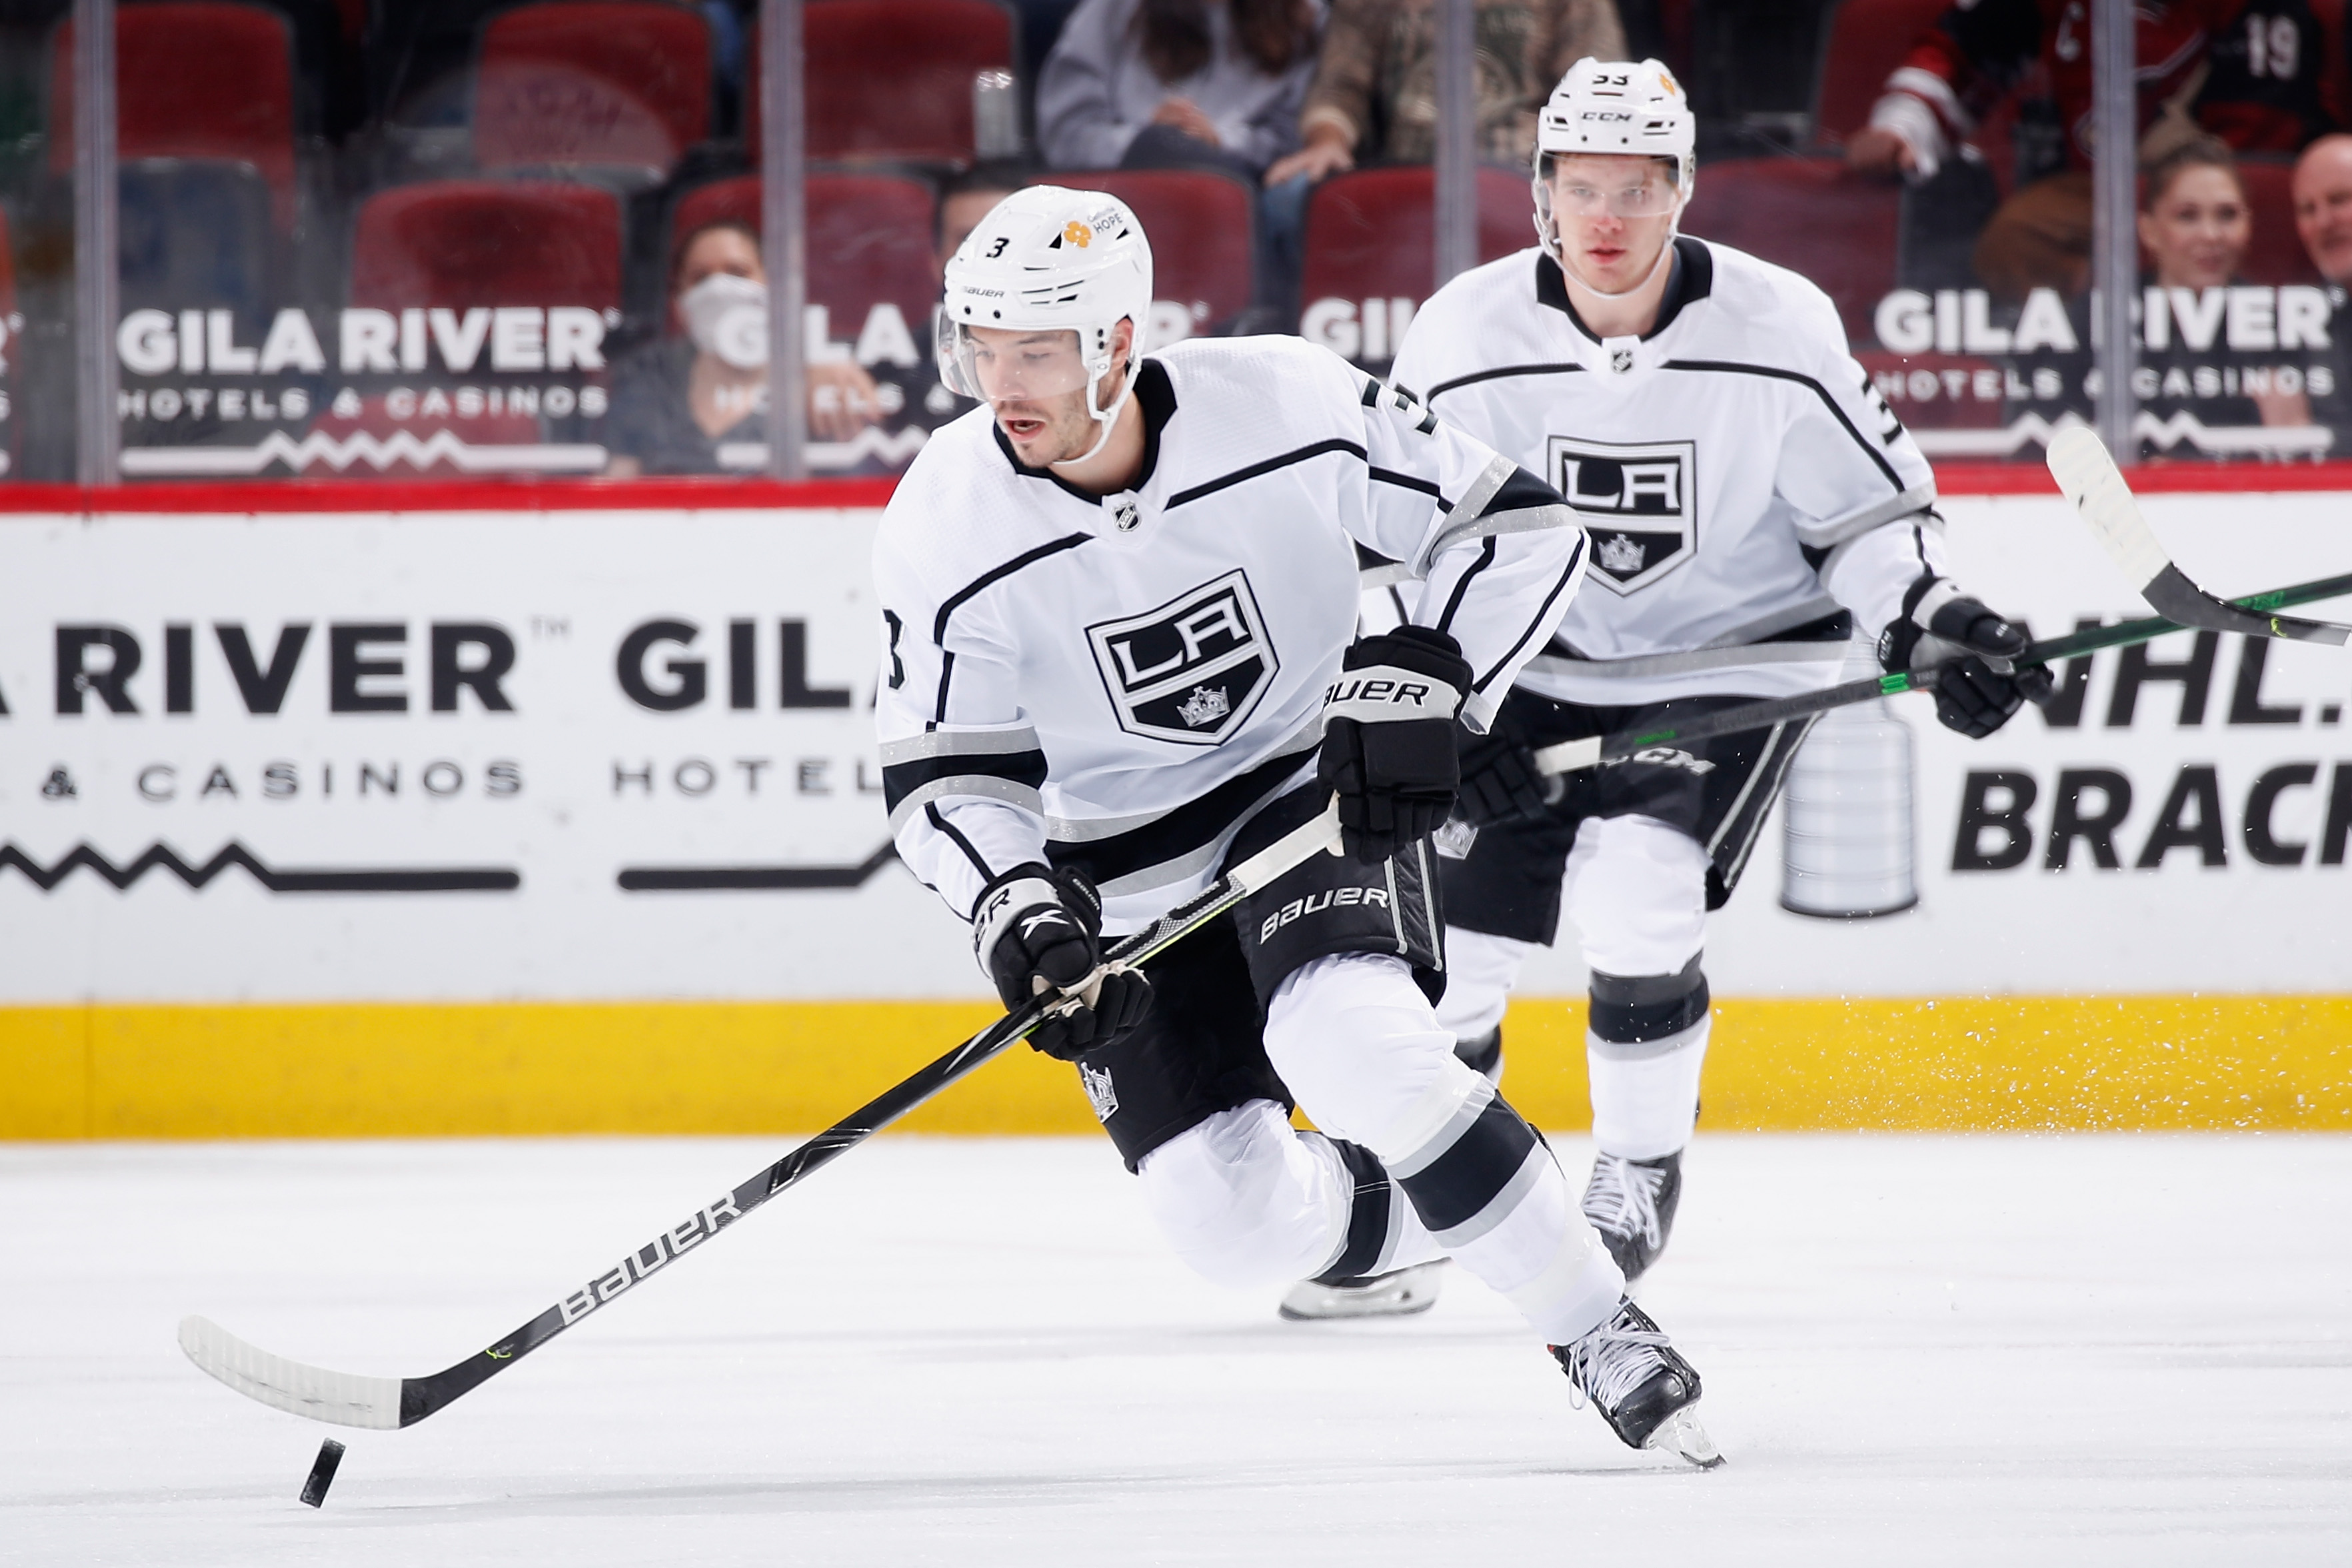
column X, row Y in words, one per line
column 1812, row 216
column 1201, row 227
column 869, row 241
column 1372, row 234
column 195, row 79
column 2274, row 253
column 892, row 78
column 609, row 83
column 464, row 243
column 1868, row 38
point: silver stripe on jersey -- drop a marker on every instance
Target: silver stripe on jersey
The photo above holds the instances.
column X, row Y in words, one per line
column 1917, row 498
column 1467, row 513
column 1194, row 863
column 986, row 785
column 958, row 743
column 1093, row 829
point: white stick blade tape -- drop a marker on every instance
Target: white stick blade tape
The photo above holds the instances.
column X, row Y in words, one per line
column 2091, row 480
column 282, row 1385
column 1569, row 756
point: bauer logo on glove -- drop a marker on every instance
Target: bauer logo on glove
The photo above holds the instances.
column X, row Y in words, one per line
column 1388, row 738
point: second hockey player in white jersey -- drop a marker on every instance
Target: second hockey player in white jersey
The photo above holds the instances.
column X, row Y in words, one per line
column 1751, row 501
column 1119, row 602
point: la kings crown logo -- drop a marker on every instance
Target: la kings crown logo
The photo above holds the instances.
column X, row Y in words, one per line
column 1640, row 504
column 1191, row 671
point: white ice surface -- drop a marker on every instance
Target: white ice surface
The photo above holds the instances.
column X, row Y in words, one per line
column 2130, row 1350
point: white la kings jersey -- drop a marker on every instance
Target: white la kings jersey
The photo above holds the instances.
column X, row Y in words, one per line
column 1118, row 684
column 1738, row 474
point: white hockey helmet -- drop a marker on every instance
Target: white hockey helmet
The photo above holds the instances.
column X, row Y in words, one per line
column 1051, row 259
column 1614, row 108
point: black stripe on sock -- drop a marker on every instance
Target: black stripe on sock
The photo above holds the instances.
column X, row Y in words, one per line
column 1368, row 1215
column 1468, row 1176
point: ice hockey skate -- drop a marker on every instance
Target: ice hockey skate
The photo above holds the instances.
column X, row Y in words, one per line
column 1641, row 1385
column 1399, row 1294
column 1631, row 1204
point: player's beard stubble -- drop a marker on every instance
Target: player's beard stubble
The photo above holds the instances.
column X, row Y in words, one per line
column 1045, row 431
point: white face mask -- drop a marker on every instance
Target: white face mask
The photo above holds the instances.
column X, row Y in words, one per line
column 728, row 315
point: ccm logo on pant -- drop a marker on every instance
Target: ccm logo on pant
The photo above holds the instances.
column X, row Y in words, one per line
column 1315, row 902
column 637, row 1265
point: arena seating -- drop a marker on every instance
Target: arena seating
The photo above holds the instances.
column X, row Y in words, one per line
column 197, row 79
column 462, row 243
column 613, row 84
column 891, row 80
column 869, row 240
column 1201, row 230
column 1868, row 38
column 1811, row 216
column 1371, row 233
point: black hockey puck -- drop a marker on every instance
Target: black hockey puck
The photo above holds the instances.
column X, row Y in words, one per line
column 323, row 1472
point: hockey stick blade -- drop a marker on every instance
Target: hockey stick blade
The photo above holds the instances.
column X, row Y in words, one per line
column 341, row 1397
column 2090, row 479
column 385, row 1403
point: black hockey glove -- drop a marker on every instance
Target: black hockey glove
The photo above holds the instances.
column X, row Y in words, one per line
column 1388, row 738
column 1038, row 930
column 1970, row 649
column 1500, row 781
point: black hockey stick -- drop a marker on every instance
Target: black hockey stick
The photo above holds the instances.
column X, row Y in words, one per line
column 1569, row 756
column 385, row 1403
column 2092, row 481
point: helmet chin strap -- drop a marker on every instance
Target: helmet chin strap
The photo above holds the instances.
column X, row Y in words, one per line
column 1106, row 417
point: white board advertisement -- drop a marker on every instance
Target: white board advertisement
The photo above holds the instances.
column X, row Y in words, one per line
column 477, row 756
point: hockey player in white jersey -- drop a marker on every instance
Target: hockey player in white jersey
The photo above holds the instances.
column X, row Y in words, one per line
column 1119, row 609
column 1750, row 502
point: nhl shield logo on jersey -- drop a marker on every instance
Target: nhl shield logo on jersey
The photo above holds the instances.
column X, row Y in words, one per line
column 1640, row 503
column 1192, row 670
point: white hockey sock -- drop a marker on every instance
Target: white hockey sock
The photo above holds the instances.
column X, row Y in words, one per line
column 1357, row 1041
column 1645, row 1096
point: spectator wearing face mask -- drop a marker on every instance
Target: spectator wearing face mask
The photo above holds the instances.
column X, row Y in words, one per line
column 697, row 403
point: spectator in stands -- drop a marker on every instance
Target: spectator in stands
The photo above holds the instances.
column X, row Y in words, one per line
column 1374, row 96
column 677, row 403
column 2195, row 224
column 1980, row 51
column 1157, row 84
column 2322, row 206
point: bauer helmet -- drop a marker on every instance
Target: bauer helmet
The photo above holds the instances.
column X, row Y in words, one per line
column 1613, row 108
column 1050, row 259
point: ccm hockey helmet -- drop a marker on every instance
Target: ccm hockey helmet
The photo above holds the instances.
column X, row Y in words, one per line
column 1613, row 108
column 1050, row 259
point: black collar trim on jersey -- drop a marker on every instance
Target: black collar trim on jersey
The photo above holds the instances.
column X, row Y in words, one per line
column 1335, row 444
column 1154, row 393
column 1692, row 279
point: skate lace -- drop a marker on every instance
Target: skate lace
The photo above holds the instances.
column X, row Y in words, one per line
column 1623, row 1198
column 1610, row 1363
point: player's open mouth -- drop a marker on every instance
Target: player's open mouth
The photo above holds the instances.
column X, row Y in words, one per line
column 1020, row 427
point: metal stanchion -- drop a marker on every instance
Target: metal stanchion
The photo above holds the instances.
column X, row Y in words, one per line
column 97, row 431
column 783, row 208
column 2114, row 253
